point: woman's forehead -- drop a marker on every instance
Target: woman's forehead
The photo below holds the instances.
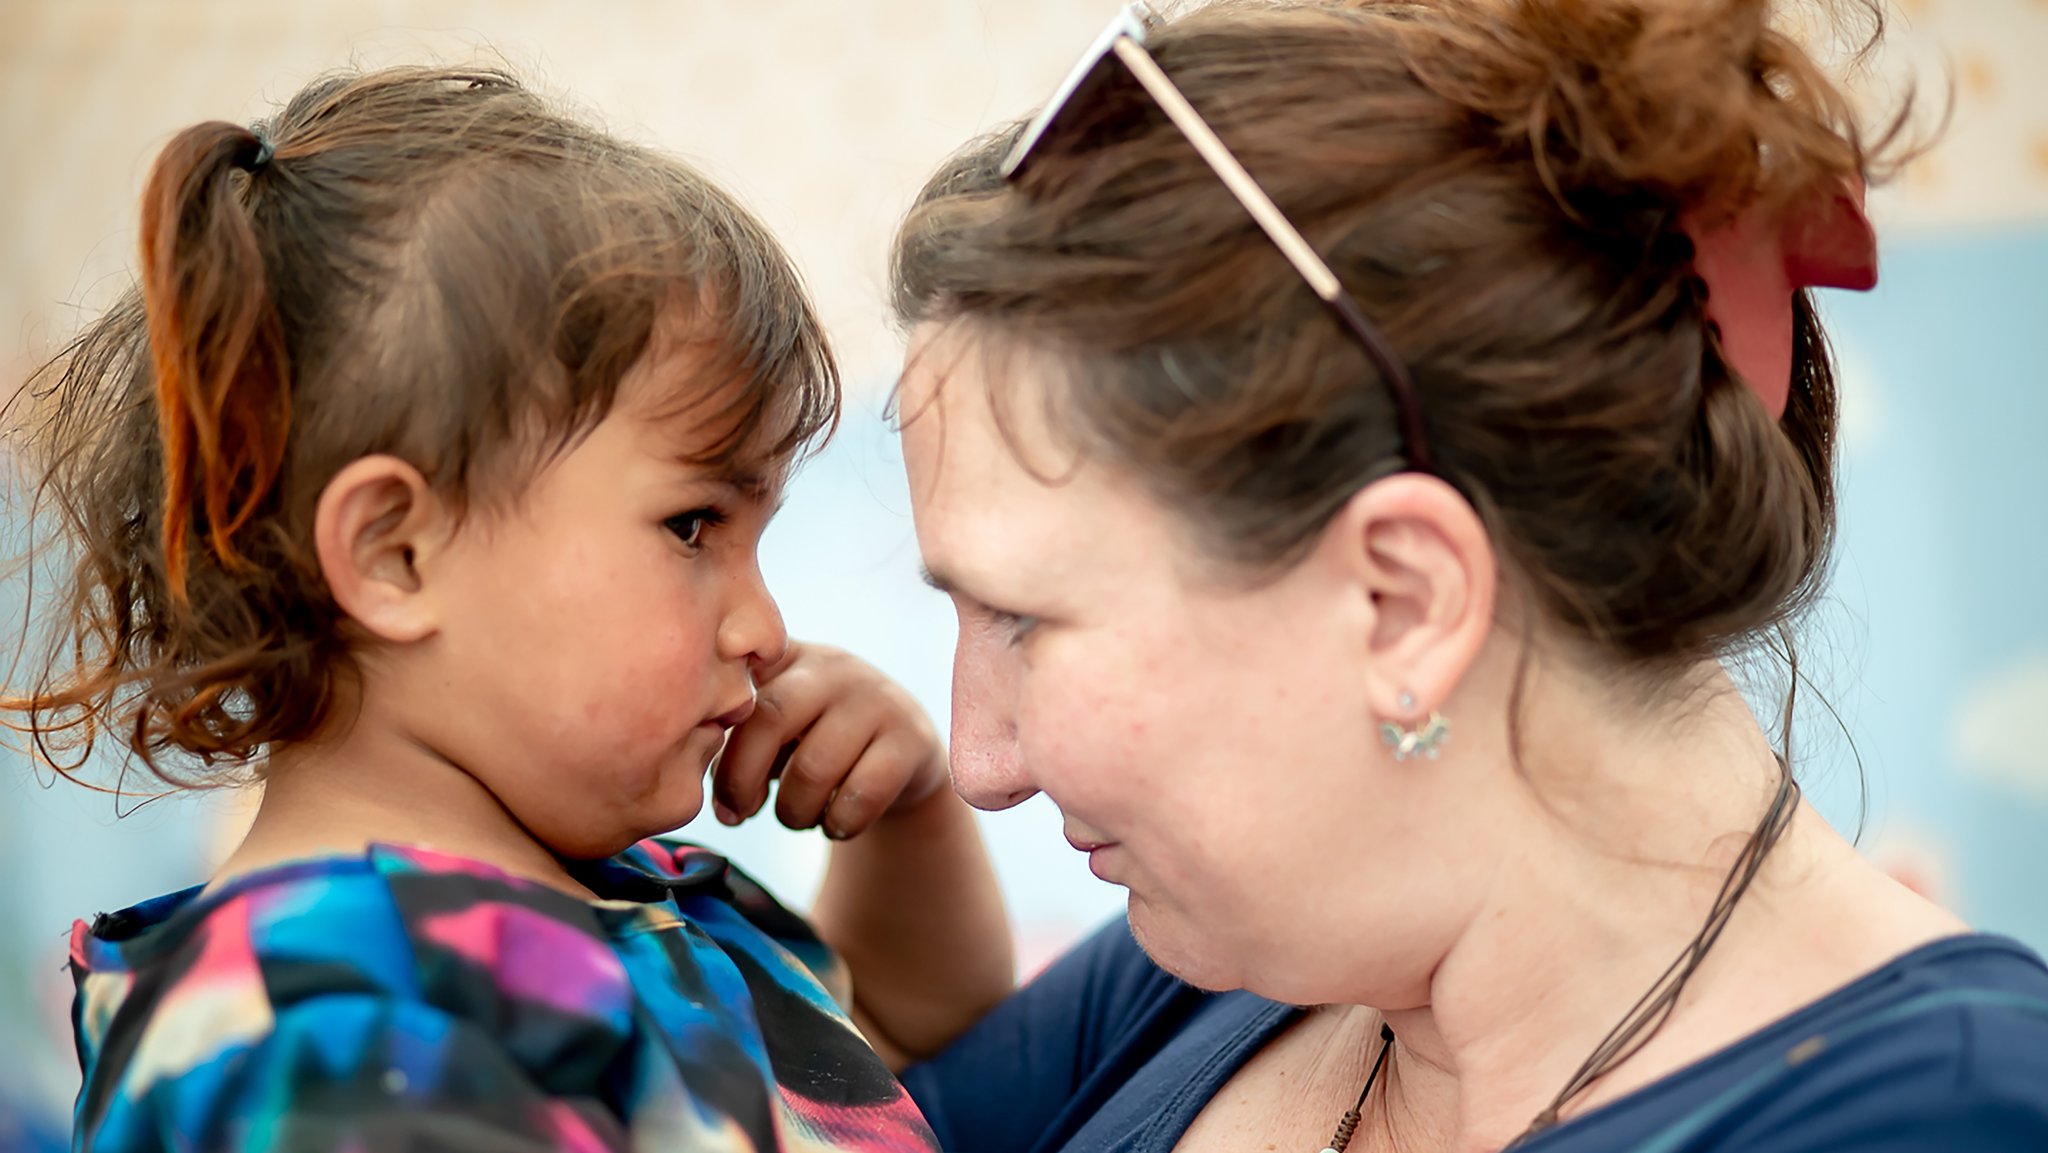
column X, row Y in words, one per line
column 963, row 461
column 985, row 402
column 997, row 508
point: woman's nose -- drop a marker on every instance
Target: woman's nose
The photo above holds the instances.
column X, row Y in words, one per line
column 988, row 770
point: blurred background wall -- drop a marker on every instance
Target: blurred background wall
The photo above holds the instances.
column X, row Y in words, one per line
column 826, row 115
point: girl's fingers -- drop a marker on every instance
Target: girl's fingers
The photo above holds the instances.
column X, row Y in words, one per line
column 889, row 763
column 843, row 742
column 823, row 757
column 754, row 751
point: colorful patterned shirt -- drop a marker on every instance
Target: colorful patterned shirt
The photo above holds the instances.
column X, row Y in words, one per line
column 408, row 1000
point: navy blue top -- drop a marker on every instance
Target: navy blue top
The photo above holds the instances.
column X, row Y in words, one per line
column 1945, row 1048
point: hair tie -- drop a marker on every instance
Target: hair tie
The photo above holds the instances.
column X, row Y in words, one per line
column 1754, row 264
column 254, row 162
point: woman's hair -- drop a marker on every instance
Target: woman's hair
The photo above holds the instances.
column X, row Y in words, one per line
column 1501, row 186
column 429, row 263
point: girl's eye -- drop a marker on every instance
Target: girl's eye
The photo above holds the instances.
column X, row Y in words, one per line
column 689, row 527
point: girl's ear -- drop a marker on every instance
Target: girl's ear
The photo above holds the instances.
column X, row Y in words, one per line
column 377, row 525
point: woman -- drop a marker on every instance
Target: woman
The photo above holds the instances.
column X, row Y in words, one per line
column 1356, row 571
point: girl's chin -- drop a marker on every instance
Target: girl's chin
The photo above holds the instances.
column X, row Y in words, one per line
column 682, row 798
column 674, row 813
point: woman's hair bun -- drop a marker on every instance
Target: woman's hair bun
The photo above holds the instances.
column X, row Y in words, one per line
column 1708, row 104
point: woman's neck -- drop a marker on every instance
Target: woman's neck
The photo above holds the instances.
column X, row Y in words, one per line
column 1618, row 850
column 376, row 784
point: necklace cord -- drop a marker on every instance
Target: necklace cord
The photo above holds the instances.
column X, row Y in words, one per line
column 1647, row 1016
column 1349, row 1125
column 1643, row 1020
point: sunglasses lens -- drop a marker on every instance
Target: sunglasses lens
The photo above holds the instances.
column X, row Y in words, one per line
column 1098, row 102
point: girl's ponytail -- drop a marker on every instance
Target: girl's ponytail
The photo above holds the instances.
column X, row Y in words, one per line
column 215, row 342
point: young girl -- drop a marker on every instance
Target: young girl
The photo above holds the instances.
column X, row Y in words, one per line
column 421, row 482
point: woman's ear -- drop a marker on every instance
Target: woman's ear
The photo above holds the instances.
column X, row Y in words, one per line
column 1419, row 551
column 377, row 523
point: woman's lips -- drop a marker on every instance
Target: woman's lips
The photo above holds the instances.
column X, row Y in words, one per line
column 1099, row 859
column 1098, row 850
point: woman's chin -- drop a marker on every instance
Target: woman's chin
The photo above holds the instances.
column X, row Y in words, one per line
column 1181, row 950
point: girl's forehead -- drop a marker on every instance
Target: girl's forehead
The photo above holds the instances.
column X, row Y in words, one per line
column 702, row 410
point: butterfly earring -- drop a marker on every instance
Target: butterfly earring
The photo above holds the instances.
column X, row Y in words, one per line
column 1408, row 743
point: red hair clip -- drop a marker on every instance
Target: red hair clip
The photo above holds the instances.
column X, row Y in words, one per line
column 1754, row 263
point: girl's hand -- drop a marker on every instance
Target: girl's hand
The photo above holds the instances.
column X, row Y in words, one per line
column 848, row 744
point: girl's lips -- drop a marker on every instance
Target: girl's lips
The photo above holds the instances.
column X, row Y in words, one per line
column 734, row 717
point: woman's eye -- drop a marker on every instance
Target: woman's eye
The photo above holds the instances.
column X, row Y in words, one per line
column 1015, row 626
column 689, row 527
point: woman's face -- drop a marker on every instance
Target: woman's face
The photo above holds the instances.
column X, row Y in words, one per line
column 1207, row 740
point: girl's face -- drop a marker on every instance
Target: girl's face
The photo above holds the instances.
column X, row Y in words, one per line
column 597, row 636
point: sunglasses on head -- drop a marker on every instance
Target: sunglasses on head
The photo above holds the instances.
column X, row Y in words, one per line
column 1118, row 57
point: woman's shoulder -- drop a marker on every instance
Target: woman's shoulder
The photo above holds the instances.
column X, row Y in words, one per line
column 1966, row 1009
column 1944, row 1047
column 1948, row 1044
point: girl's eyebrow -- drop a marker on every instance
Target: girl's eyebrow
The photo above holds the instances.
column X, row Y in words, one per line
column 753, row 484
column 750, row 483
column 756, row 487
